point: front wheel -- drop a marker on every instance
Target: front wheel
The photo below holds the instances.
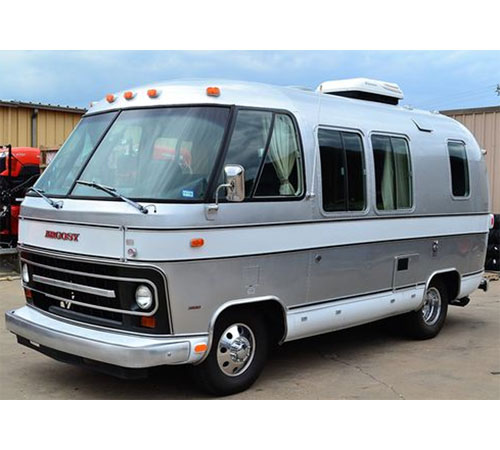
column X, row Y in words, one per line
column 238, row 354
column 427, row 322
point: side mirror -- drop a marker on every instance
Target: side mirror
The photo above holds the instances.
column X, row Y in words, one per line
column 235, row 182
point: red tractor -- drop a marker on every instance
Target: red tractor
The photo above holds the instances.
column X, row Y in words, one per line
column 19, row 169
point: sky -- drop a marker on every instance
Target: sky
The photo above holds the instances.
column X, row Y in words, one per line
column 434, row 80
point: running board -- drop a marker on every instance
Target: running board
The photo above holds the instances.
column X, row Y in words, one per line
column 460, row 301
column 339, row 314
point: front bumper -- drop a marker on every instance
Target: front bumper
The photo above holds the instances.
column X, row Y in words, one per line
column 118, row 349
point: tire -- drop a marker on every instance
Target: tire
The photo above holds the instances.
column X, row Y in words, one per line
column 494, row 237
column 427, row 322
column 221, row 373
column 492, row 264
column 497, row 222
column 493, row 252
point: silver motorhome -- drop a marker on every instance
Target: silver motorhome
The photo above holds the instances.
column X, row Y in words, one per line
column 200, row 222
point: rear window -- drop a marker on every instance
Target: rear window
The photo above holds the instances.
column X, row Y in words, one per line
column 393, row 179
column 459, row 167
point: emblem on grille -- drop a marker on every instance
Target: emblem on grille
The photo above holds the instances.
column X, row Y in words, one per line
column 73, row 237
column 65, row 305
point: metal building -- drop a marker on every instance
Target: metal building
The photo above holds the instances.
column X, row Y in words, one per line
column 24, row 124
column 484, row 123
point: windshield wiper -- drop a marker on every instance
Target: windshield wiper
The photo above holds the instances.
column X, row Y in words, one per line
column 112, row 191
column 57, row 205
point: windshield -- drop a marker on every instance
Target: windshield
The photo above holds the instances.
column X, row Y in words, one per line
column 62, row 172
column 149, row 154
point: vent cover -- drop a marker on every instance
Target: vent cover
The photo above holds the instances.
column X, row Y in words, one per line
column 363, row 89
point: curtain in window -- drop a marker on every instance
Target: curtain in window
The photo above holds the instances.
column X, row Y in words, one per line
column 283, row 152
column 402, row 172
column 387, row 187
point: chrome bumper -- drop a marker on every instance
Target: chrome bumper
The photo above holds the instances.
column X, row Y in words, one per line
column 119, row 349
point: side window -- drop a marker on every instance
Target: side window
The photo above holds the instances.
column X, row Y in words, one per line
column 342, row 171
column 266, row 145
column 281, row 173
column 248, row 144
column 459, row 169
column 392, row 173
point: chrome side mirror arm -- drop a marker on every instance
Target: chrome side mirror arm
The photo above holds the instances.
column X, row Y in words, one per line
column 234, row 177
column 212, row 208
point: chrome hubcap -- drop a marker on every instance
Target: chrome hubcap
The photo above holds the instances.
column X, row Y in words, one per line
column 432, row 306
column 235, row 349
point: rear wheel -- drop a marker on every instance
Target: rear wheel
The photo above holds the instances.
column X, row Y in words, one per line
column 238, row 354
column 427, row 322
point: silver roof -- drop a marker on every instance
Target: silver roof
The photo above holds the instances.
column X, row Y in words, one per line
column 244, row 93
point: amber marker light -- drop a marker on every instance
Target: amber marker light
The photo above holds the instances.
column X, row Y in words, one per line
column 110, row 98
column 200, row 348
column 213, row 91
column 197, row 242
column 129, row 95
column 153, row 93
column 148, row 322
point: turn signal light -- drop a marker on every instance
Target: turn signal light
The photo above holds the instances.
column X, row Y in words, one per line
column 148, row 322
column 200, row 348
column 213, row 91
column 129, row 95
column 197, row 242
column 28, row 294
column 153, row 93
column 110, row 98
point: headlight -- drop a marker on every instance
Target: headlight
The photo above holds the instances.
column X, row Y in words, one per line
column 26, row 274
column 143, row 297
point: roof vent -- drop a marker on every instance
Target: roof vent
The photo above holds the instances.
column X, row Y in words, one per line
column 363, row 89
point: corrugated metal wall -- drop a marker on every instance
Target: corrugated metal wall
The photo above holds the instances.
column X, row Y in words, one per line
column 52, row 126
column 15, row 126
column 484, row 123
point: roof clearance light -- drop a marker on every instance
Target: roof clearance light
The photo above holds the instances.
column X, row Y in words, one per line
column 213, row 91
column 129, row 95
column 153, row 93
column 110, row 98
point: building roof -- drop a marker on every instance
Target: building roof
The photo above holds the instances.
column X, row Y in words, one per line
column 480, row 110
column 44, row 106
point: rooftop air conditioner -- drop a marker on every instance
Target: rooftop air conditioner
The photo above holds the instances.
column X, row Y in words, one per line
column 363, row 89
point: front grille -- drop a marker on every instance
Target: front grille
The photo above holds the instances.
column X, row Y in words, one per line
column 98, row 293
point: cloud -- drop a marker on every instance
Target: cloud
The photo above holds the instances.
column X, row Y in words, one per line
column 430, row 79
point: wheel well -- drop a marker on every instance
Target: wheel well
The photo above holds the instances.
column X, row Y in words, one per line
column 451, row 280
column 271, row 310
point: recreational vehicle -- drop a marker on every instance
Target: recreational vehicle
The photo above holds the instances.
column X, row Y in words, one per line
column 202, row 222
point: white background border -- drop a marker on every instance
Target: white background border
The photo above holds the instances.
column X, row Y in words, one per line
column 256, row 24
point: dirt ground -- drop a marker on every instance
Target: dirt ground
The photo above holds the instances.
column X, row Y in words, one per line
column 367, row 362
